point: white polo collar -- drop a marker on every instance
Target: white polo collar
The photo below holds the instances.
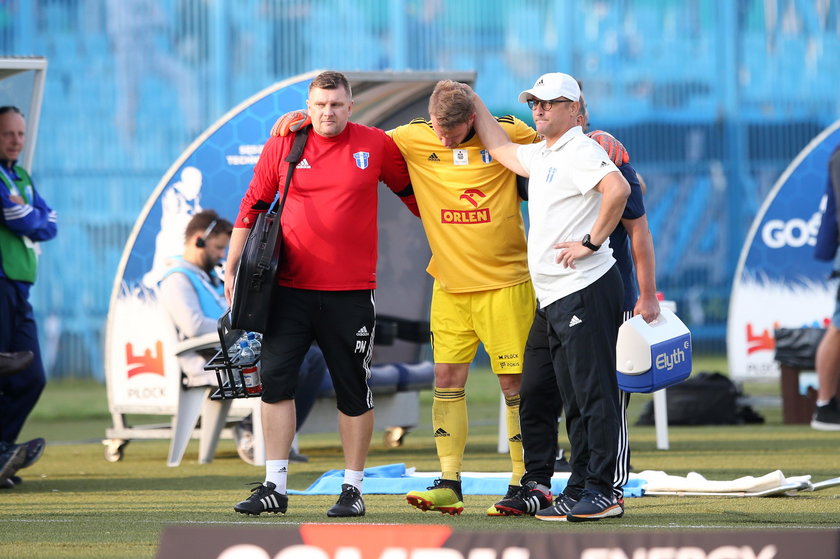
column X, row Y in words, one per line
column 570, row 134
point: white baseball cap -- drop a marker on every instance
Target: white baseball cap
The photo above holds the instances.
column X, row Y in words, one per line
column 552, row 86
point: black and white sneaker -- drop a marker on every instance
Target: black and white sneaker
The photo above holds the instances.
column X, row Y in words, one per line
column 595, row 506
column 557, row 511
column 34, row 451
column 827, row 417
column 528, row 500
column 263, row 499
column 11, row 460
column 350, row 503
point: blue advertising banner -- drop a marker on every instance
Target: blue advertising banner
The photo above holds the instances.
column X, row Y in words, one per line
column 213, row 173
column 779, row 283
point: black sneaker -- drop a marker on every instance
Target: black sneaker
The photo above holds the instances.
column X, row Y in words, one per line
column 512, row 490
column 559, row 510
column 827, row 417
column 263, row 499
column 11, row 461
column 528, row 500
column 350, row 503
column 595, row 506
column 34, row 451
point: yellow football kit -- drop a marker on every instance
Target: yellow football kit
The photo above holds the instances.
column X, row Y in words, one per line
column 470, row 208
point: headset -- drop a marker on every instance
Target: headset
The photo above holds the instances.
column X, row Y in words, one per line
column 201, row 242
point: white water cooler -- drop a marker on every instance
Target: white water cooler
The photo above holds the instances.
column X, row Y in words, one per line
column 653, row 356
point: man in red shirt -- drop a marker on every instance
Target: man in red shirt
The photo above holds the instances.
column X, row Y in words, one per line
column 326, row 279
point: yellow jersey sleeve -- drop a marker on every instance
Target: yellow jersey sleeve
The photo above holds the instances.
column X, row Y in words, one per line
column 469, row 206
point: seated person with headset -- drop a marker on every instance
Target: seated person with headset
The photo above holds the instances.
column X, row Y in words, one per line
column 193, row 295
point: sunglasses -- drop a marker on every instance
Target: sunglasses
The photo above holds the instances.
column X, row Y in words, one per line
column 546, row 105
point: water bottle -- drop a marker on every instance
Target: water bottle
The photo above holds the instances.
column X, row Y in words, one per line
column 255, row 344
column 251, row 371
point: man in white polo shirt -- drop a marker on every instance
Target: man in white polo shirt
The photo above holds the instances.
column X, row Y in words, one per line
column 576, row 198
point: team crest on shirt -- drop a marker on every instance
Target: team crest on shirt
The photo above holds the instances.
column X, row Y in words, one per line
column 485, row 156
column 362, row 158
column 550, row 175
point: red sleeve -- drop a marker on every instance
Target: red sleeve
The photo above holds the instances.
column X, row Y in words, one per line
column 264, row 185
column 395, row 175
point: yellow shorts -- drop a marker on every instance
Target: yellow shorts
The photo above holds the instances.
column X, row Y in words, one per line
column 500, row 319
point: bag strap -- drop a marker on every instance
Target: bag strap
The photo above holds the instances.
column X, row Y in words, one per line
column 295, row 155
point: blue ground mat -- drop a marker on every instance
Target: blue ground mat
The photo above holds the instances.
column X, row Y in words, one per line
column 393, row 479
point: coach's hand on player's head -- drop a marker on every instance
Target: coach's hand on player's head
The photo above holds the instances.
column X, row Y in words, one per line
column 615, row 149
column 290, row 122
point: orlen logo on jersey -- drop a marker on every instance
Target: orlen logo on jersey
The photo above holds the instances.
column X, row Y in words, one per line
column 794, row 233
column 467, row 216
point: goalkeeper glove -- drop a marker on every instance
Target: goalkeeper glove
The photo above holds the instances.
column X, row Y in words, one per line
column 290, row 122
column 615, row 149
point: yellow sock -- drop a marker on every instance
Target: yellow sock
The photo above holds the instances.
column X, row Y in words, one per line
column 514, row 439
column 449, row 420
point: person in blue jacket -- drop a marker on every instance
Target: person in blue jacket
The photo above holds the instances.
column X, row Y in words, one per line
column 827, row 414
column 26, row 221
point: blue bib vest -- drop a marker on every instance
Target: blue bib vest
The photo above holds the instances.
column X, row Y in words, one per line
column 211, row 297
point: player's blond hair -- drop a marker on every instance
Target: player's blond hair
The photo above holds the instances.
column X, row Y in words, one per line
column 450, row 104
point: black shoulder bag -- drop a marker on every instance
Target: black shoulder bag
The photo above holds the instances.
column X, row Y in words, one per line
column 257, row 270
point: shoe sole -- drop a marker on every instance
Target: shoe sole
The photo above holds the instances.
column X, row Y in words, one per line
column 820, row 426
column 334, row 515
column 509, row 511
column 612, row 512
column 250, row 513
column 425, row 505
column 552, row 518
column 13, row 464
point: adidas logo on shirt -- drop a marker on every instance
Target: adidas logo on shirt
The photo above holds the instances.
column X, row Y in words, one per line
column 574, row 321
column 363, row 331
column 304, row 164
column 441, row 433
column 604, row 163
column 434, row 157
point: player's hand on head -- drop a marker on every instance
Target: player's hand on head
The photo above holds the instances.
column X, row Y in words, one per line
column 615, row 149
column 290, row 122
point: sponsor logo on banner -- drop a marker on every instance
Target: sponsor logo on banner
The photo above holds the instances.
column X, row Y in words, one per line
column 147, row 362
column 778, row 282
column 141, row 370
column 247, row 154
column 794, row 233
column 360, row 541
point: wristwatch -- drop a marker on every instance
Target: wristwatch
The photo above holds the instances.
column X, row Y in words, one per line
column 588, row 244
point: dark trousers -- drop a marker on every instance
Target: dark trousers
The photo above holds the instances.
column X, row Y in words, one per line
column 18, row 332
column 541, row 407
column 582, row 331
